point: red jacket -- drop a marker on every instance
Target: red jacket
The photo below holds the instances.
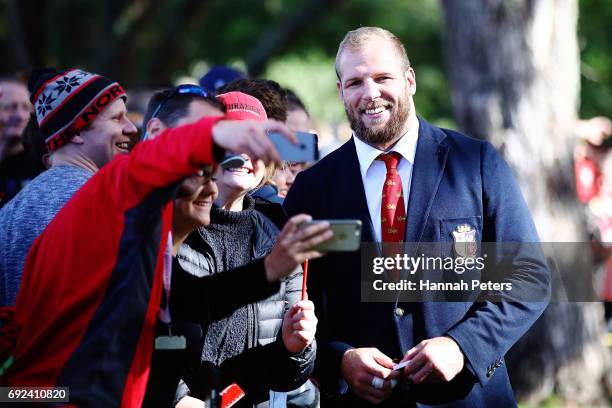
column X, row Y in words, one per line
column 92, row 282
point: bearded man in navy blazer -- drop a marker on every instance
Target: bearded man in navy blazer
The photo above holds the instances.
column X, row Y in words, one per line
column 454, row 184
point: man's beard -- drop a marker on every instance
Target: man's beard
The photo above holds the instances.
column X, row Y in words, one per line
column 389, row 133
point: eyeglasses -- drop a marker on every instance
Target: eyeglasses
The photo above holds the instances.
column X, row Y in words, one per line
column 186, row 89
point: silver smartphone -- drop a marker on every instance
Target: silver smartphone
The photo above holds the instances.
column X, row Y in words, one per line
column 347, row 235
column 305, row 150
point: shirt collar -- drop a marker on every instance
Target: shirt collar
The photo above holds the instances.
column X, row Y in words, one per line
column 406, row 146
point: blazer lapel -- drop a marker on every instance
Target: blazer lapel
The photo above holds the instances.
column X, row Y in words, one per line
column 429, row 162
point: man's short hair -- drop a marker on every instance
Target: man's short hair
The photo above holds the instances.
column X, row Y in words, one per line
column 355, row 39
column 271, row 95
column 175, row 108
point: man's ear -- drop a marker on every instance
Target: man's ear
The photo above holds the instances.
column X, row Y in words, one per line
column 46, row 160
column 155, row 127
column 339, row 86
column 411, row 80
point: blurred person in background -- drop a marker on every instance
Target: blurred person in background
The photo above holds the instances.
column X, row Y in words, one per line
column 591, row 135
column 15, row 108
column 298, row 120
column 600, row 213
column 593, row 172
column 81, row 136
column 16, row 168
column 250, row 345
column 218, row 76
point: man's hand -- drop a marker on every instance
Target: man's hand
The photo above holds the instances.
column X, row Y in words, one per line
column 250, row 137
column 434, row 361
column 360, row 366
column 299, row 326
column 294, row 245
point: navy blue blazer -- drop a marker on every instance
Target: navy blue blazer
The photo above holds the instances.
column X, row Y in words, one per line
column 456, row 180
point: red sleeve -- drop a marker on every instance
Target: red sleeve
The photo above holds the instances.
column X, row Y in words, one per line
column 176, row 153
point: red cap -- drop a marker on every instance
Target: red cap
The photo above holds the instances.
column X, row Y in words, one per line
column 240, row 106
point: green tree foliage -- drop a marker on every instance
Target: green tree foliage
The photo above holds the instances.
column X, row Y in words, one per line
column 416, row 23
column 151, row 43
column 596, row 57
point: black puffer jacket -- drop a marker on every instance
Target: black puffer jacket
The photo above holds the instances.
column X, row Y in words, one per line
column 266, row 364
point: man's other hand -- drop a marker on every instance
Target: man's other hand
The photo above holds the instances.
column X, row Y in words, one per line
column 434, row 361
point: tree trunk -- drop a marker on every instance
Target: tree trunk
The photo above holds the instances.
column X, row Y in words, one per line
column 513, row 67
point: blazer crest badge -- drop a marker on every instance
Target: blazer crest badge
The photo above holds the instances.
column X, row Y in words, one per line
column 465, row 241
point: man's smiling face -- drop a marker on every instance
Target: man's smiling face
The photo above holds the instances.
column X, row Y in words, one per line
column 376, row 91
column 109, row 134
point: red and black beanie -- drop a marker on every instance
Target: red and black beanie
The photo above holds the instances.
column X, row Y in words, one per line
column 66, row 102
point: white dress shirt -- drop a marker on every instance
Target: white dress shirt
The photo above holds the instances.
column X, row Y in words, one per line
column 374, row 172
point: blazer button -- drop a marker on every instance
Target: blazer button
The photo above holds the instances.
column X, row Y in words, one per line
column 399, row 312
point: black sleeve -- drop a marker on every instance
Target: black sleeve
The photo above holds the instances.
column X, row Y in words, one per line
column 272, row 366
column 256, row 371
column 192, row 295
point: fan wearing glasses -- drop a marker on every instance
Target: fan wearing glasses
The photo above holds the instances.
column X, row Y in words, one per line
column 194, row 286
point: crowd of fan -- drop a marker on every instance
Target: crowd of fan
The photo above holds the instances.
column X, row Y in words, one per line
column 158, row 212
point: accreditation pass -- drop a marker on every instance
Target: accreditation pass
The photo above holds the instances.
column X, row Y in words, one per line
column 34, row 394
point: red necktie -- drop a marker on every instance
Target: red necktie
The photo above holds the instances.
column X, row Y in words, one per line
column 393, row 211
